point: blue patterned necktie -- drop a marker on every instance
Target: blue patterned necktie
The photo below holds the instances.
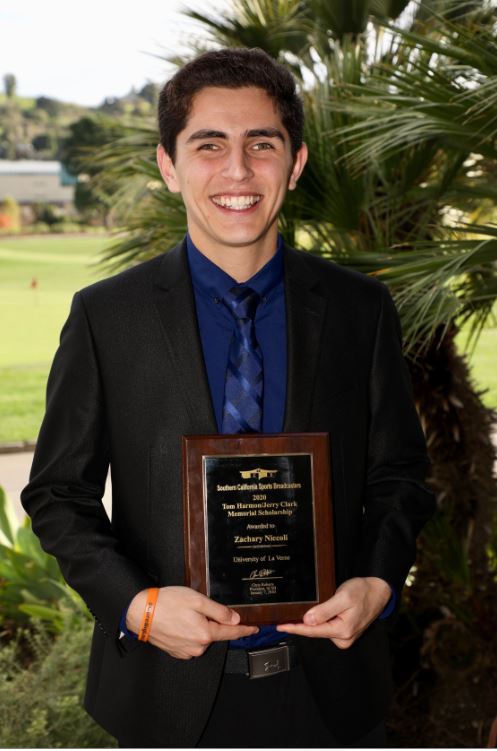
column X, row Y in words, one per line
column 242, row 408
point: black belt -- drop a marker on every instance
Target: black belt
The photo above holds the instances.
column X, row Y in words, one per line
column 261, row 663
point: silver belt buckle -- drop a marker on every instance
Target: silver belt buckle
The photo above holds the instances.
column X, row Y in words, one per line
column 266, row 662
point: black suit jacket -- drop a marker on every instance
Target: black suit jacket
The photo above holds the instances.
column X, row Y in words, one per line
column 128, row 380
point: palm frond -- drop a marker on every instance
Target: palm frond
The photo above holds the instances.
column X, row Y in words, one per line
column 275, row 26
column 156, row 225
column 437, row 282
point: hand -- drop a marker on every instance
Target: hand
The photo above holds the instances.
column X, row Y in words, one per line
column 186, row 622
column 344, row 617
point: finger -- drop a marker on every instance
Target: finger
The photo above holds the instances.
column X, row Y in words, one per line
column 220, row 632
column 217, row 612
column 322, row 631
column 318, row 632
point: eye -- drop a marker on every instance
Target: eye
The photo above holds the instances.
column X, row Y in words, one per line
column 208, row 147
column 263, row 146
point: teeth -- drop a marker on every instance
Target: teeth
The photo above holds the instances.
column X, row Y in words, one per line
column 236, row 202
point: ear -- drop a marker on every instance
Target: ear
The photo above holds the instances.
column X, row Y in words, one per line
column 298, row 165
column 167, row 170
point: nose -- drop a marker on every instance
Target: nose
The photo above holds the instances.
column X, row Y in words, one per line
column 237, row 166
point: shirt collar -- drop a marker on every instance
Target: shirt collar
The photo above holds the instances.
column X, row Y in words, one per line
column 211, row 280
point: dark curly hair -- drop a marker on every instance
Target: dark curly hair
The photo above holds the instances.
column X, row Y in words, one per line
column 231, row 68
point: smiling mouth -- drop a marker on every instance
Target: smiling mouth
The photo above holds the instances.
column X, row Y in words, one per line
column 236, row 203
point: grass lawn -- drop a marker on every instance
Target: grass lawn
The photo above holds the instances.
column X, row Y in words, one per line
column 31, row 319
column 483, row 362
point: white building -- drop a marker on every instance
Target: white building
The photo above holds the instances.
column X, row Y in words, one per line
column 32, row 181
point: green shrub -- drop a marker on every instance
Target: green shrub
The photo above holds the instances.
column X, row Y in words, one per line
column 63, row 227
column 31, row 584
column 10, row 214
column 44, row 647
column 38, row 228
column 47, row 213
column 42, row 704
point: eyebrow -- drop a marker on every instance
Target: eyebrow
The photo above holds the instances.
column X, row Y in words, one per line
column 200, row 135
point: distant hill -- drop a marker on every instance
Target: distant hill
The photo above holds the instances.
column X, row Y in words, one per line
column 34, row 128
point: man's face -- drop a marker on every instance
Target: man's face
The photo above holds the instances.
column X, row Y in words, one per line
column 233, row 167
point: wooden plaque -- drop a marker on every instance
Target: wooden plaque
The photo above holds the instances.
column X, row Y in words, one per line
column 259, row 522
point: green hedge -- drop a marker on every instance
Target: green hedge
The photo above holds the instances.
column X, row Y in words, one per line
column 41, row 702
column 31, row 584
column 45, row 635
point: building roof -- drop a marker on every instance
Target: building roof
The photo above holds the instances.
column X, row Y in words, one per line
column 29, row 167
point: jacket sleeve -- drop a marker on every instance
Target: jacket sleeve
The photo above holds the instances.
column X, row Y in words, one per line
column 397, row 501
column 67, row 481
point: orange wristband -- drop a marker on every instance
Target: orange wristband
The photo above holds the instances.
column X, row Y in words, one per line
column 148, row 615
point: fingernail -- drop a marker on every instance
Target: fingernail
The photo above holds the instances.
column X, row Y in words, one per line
column 234, row 616
column 310, row 619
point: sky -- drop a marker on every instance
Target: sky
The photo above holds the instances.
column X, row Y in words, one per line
column 85, row 51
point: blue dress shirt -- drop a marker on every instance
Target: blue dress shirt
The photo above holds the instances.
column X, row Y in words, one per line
column 216, row 326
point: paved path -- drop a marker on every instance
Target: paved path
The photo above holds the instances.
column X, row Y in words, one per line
column 14, row 475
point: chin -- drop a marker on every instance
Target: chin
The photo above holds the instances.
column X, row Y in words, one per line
column 240, row 242
column 243, row 235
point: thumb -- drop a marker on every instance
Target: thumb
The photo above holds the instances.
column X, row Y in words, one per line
column 325, row 611
column 219, row 613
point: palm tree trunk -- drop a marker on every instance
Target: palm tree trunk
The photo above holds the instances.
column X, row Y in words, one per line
column 444, row 642
column 458, row 429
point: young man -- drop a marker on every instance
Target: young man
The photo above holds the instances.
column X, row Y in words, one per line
column 147, row 356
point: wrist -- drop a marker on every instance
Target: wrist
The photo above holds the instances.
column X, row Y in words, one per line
column 135, row 611
column 148, row 614
column 380, row 590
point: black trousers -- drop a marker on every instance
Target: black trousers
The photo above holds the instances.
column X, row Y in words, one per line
column 273, row 712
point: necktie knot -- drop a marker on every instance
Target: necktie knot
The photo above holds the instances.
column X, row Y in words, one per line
column 242, row 302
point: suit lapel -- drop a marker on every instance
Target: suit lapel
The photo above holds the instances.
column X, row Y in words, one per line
column 305, row 311
column 174, row 300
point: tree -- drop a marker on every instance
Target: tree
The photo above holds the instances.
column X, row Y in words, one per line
column 51, row 106
column 42, row 142
column 150, row 92
column 111, row 106
column 12, row 132
column 10, row 85
column 93, row 197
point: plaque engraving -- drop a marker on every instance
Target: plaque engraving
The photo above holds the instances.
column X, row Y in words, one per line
column 258, row 530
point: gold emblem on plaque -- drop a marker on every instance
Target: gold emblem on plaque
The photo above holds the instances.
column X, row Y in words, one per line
column 260, row 474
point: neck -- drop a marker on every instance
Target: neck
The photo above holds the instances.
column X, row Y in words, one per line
column 241, row 262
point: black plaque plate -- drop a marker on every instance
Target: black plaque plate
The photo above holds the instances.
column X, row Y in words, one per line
column 258, row 533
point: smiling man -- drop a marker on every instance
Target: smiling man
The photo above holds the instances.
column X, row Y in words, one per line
column 230, row 332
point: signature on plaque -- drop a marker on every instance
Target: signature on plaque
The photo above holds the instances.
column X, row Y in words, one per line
column 261, row 573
